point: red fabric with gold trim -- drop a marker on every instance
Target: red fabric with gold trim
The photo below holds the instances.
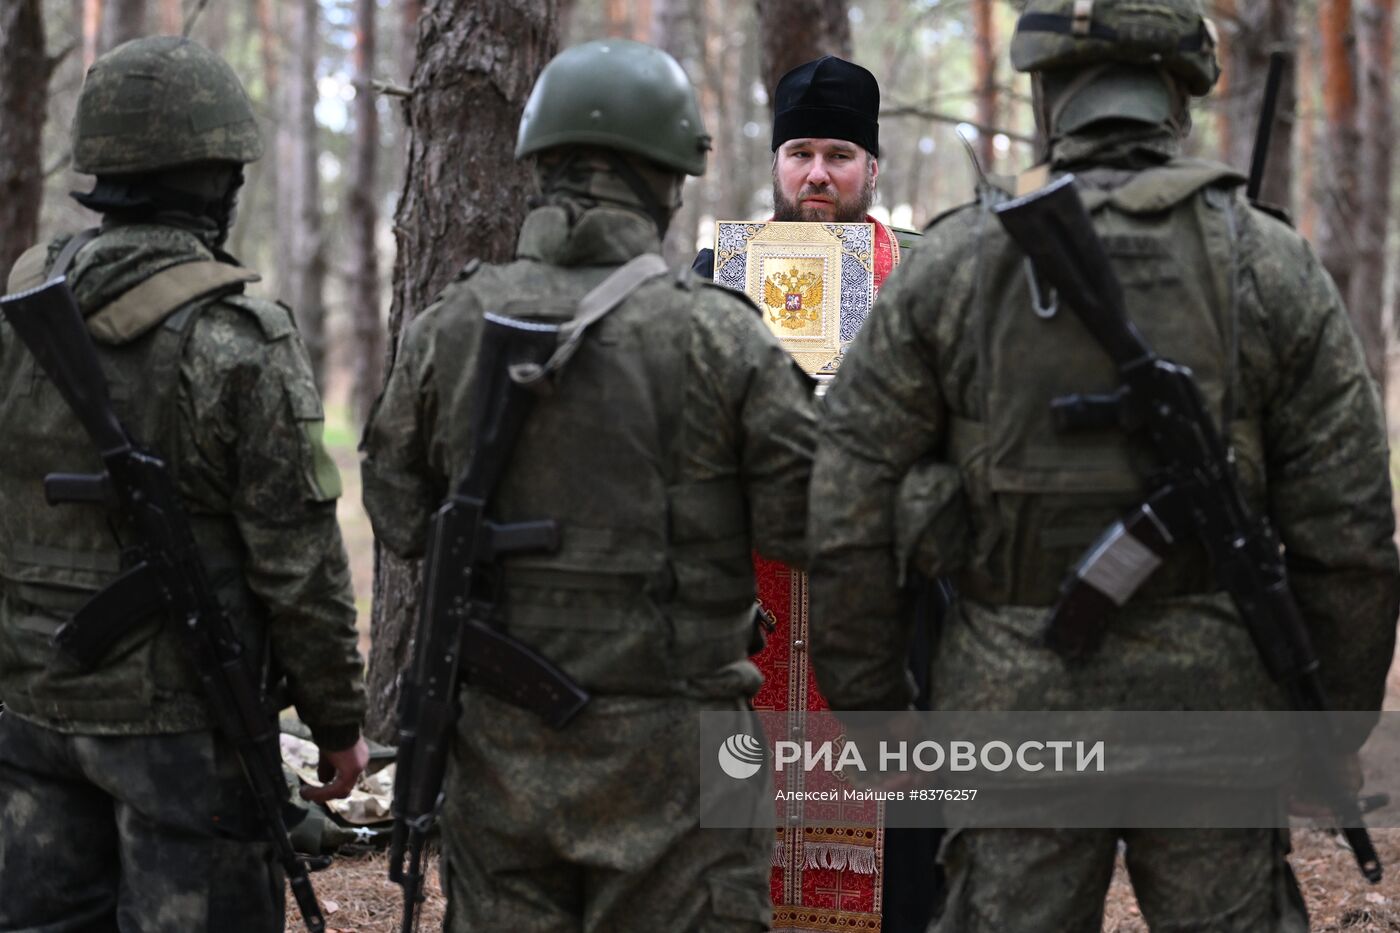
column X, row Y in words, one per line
column 828, row 862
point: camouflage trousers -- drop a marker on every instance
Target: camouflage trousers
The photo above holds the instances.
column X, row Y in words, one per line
column 141, row 833
column 594, row 828
column 1186, row 880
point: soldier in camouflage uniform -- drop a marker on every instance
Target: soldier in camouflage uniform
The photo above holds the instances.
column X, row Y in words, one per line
column 942, row 403
column 676, row 441
column 121, row 808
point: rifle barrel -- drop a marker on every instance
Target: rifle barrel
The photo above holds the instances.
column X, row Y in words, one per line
column 1264, row 132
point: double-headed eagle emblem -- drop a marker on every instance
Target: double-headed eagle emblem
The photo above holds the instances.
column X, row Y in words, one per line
column 794, row 299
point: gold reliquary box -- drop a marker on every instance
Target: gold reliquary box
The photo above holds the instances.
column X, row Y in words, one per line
column 815, row 282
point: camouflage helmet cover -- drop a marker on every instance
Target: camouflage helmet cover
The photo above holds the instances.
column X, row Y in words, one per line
column 618, row 94
column 1172, row 34
column 160, row 102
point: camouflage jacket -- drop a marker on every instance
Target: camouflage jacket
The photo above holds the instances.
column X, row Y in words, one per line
column 677, row 441
column 244, row 442
column 929, row 373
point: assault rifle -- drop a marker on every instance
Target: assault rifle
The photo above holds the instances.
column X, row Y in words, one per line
column 1193, row 493
column 457, row 637
column 168, row 577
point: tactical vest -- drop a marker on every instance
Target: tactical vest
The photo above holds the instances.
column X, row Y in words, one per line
column 653, row 582
column 1037, row 497
column 54, row 558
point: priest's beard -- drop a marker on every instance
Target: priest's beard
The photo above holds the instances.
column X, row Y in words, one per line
column 851, row 211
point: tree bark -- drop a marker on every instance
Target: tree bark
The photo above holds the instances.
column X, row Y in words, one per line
column 616, row 20
column 367, row 359
column 1306, row 196
column 797, row 31
column 1251, row 32
column 1339, row 190
column 122, row 21
column 264, row 179
column 674, row 28
column 301, row 195
column 463, row 197
column 1375, row 21
column 412, row 11
column 986, row 69
column 172, row 18
column 92, row 32
column 24, row 83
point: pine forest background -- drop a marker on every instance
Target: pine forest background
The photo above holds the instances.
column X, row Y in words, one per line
column 390, row 126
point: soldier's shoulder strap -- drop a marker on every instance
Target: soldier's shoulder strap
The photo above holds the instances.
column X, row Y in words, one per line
column 273, row 318
column 32, row 268
column 144, row 306
column 1164, row 187
column 597, row 304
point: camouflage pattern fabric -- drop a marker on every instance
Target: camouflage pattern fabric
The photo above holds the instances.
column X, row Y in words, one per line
column 922, row 383
column 245, row 445
column 161, row 102
column 677, row 441
column 149, row 832
column 1185, row 881
column 611, row 846
column 1170, row 34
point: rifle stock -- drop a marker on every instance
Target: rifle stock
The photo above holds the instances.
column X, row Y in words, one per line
column 47, row 319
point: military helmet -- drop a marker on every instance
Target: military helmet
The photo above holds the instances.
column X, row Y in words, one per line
column 1171, row 34
column 618, row 94
column 161, row 102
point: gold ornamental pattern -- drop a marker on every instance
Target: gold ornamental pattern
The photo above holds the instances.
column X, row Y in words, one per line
column 814, row 282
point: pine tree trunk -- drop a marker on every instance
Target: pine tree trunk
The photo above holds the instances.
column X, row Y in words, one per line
column 673, row 29
column 797, row 31
column 1306, row 195
column 263, row 177
column 367, row 359
column 92, row 32
column 1375, row 21
column 1252, row 32
column 412, row 11
column 463, row 197
column 24, row 74
column 616, row 18
column 1339, row 189
column 122, row 21
column 300, row 197
column 172, row 18
column 986, row 64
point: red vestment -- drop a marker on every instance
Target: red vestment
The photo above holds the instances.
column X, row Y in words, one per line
column 828, row 861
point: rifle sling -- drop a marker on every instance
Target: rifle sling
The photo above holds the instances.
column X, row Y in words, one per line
column 592, row 308
column 70, row 251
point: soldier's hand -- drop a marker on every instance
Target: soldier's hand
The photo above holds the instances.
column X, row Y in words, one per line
column 338, row 771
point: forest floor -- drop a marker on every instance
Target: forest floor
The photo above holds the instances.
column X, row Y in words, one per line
column 358, row 898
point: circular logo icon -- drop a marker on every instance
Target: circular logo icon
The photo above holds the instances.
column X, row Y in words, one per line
column 741, row 756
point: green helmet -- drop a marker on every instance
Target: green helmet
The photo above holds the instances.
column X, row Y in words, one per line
column 1171, row 34
column 617, row 94
column 158, row 103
